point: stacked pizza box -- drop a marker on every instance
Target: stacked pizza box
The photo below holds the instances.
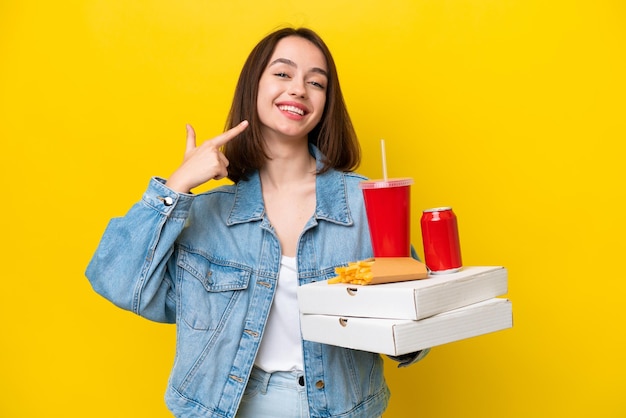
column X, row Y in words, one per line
column 401, row 314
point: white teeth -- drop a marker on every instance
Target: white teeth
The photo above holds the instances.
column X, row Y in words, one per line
column 292, row 109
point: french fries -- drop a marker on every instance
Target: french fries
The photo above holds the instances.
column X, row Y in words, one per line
column 358, row 272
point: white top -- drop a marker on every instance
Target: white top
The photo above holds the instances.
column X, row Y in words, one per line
column 281, row 345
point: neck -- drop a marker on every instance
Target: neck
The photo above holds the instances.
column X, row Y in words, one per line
column 288, row 164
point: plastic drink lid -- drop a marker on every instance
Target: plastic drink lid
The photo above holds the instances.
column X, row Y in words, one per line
column 383, row 184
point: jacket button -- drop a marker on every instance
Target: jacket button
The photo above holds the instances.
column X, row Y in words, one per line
column 319, row 384
column 167, row 201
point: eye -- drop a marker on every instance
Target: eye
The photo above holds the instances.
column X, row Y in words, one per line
column 281, row 75
column 317, row 84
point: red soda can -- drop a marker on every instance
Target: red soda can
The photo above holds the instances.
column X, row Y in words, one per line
column 440, row 236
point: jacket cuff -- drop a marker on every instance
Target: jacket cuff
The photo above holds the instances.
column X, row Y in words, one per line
column 166, row 200
column 406, row 360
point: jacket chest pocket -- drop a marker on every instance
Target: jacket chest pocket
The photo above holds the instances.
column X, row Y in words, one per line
column 208, row 289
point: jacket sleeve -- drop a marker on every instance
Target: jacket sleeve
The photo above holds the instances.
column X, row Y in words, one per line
column 130, row 265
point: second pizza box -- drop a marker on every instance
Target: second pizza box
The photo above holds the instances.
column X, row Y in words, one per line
column 401, row 336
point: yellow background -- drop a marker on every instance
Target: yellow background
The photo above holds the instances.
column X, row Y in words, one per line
column 510, row 111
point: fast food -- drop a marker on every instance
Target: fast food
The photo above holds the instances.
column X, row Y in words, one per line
column 357, row 272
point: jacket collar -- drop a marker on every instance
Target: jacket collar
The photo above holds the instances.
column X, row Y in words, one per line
column 330, row 189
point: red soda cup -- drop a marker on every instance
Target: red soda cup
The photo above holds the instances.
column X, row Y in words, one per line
column 388, row 207
column 440, row 236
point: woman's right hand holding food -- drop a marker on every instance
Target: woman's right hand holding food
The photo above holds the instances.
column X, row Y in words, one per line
column 203, row 163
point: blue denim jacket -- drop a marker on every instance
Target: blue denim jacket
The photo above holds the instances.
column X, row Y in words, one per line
column 210, row 263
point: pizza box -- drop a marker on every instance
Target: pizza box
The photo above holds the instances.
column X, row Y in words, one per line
column 401, row 336
column 412, row 299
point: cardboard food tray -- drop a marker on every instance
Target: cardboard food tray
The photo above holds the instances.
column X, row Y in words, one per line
column 397, row 269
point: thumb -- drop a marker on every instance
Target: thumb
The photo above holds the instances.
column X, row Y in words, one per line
column 191, row 139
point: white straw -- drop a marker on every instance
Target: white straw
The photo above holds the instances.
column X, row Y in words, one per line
column 382, row 146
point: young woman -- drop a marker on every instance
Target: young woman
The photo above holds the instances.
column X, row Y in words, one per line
column 225, row 265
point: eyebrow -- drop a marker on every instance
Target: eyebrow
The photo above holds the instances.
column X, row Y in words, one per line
column 293, row 64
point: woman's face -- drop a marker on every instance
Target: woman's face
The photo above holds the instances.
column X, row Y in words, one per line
column 292, row 90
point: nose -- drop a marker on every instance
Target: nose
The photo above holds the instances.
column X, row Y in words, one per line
column 297, row 88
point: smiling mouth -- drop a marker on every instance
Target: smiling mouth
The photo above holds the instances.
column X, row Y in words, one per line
column 292, row 109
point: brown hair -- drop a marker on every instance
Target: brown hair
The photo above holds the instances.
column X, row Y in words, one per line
column 334, row 135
